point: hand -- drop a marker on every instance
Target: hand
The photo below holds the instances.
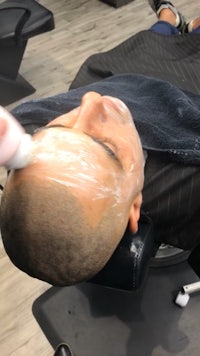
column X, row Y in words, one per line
column 3, row 127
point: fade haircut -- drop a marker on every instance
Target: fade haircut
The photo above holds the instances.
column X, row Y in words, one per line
column 47, row 235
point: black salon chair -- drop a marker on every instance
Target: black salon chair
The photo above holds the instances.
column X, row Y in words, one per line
column 63, row 313
column 19, row 21
column 127, row 269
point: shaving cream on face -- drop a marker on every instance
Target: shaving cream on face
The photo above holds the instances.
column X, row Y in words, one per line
column 15, row 144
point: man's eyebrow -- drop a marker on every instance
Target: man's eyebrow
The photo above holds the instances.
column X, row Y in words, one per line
column 99, row 142
column 107, row 149
column 47, row 127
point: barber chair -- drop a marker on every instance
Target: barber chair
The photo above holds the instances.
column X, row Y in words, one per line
column 19, row 21
column 129, row 300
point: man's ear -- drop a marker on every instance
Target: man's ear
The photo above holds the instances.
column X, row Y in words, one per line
column 135, row 213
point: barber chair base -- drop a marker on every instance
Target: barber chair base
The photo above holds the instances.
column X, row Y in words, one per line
column 117, row 3
column 12, row 90
column 95, row 320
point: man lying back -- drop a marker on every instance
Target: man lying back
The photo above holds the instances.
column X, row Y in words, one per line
column 98, row 149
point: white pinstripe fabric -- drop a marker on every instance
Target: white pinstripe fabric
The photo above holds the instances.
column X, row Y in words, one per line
column 171, row 197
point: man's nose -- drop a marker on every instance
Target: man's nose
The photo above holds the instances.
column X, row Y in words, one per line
column 91, row 111
column 91, row 95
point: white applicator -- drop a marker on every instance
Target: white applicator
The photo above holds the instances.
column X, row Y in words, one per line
column 15, row 143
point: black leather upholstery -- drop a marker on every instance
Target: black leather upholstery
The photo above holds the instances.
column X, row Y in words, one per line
column 63, row 350
column 194, row 260
column 19, row 21
column 23, row 19
column 128, row 266
column 117, row 3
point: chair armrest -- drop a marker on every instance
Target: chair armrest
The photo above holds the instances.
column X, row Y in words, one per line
column 21, row 20
column 128, row 266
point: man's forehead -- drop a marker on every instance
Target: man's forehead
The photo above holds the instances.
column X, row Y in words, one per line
column 55, row 134
column 78, row 167
column 63, row 148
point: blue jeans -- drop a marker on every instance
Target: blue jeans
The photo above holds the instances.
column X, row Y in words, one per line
column 166, row 29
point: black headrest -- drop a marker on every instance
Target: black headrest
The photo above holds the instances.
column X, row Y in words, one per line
column 128, row 266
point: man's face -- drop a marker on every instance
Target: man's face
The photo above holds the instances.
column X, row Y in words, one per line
column 95, row 150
